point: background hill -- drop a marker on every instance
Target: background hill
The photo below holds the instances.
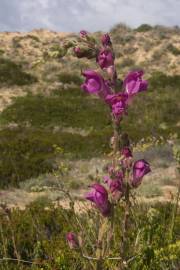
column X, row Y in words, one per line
column 151, row 48
column 46, row 120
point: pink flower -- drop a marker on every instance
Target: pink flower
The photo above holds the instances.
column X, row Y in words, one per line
column 140, row 168
column 126, row 152
column 83, row 33
column 99, row 196
column 105, row 58
column 72, row 240
column 95, row 84
column 115, row 185
column 106, row 40
column 134, row 84
column 78, row 52
column 118, row 104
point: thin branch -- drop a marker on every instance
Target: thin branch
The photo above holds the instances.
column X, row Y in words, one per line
column 90, row 258
column 18, row 260
column 114, row 258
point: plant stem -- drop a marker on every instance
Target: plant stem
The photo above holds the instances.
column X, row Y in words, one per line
column 116, row 137
column 125, row 222
column 174, row 213
column 99, row 265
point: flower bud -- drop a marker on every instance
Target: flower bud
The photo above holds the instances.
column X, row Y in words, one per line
column 105, row 39
column 83, row 33
column 105, row 58
column 84, row 51
column 126, row 152
column 72, row 240
column 140, row 168
column 126, row 161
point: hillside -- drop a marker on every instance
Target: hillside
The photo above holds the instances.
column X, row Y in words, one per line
column 153, row 49
column 47, row 120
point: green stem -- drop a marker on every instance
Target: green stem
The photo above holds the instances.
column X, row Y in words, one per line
column 125, row 223
column 174, row 213
column 99, row 265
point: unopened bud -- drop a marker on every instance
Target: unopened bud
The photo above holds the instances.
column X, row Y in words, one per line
column 106, row 40
column 72, row 240
column 83, row 33
column 84, row 51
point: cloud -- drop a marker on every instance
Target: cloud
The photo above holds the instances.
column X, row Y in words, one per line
column 93, row 15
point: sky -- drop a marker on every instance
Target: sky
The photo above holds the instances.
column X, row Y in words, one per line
column 91, row 15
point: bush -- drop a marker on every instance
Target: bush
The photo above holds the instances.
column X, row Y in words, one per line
column 39, row 235
column 73, row 108
column 127, row 62
column 24, row 153
column 173, row 50
column 12, row 74
column 65, row 77
column 120, row 28
column 153, row 121
column 161, row 80
column 144, row 28
column 27, row 153
column 2, row 51
column 65, row 108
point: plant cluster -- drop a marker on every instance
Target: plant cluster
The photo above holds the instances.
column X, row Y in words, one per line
column 124, row 174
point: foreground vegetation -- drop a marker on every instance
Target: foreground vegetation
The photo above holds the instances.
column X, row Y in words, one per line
column 40, row 130
column 38, row 235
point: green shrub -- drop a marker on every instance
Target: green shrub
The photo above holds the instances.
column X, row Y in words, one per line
column 35, row 38
column 73, row 108
column 173, row 49
column 24, row 153
column 161, row 80
column 16, row 42
column 39, row 235
column 122, row 39
column 27, row 153
column 157, row 55
column 120, row 28
column 66, row 108
column 65, row 77
column 12, row 74
column 144, row 28
column 2, row 51
column 127, row 62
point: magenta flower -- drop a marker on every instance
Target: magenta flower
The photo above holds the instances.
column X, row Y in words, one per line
column 78, row 52
column 126, row 152
column 105, row 58
column 72, row 240
column 118, row 104
column 95, row 84
column 83, row 33
column 115, row 185
column 99, row 196
column 106, row 40
column 140, row 168
column 134, row 84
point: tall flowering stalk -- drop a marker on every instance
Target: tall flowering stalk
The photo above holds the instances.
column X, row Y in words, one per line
column 123, row 174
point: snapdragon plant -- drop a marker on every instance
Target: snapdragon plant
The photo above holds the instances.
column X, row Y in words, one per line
column 124, row 174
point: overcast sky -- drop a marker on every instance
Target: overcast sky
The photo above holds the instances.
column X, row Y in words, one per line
column 92, row 15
